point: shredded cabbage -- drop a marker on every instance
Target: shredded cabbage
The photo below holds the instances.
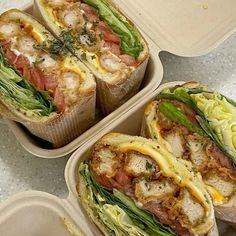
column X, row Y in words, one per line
column 221, row 115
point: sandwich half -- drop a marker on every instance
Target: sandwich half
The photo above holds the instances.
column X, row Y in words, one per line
column 52, row 94
column 105, row 40
column 133, row 186
column 199, row 125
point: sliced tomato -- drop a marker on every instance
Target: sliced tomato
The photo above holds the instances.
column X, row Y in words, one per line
column 90, row 13
column 22, row 62
column 128, row 60
column 92, row 18
column 11, row 56
column 59, row 100
column 103, row 28
column 107, row 32
column 5, row 44
column 111, row 37
column 113, row 48
column 50, row 82
column 36, row 78
column 87, row 9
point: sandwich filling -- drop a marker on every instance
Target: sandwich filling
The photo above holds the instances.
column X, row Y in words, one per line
column 32, row 54
column 154, row 181
column 178, row 126
column 105, row 38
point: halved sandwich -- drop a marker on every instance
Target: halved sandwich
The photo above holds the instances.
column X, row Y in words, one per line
column 134, row 186
column 199, row 125
column 105, row 40
column 51, row 94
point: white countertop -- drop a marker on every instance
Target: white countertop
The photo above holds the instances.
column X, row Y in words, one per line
column 20, row 171
column 4, row 5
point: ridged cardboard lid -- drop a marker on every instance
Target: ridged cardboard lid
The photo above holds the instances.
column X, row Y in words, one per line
column 183, row 27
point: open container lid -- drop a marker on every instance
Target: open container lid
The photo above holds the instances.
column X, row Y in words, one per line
column 183, row 27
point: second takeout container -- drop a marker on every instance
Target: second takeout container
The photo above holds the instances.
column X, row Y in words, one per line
column 40, row 214
column 185, row 28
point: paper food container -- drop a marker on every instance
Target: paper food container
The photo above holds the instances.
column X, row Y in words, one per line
column 40, row 214
column 185, row 28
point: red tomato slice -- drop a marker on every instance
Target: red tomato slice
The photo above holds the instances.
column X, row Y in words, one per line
column 113, row 48
column 111, row 37
column 128, row 60
column 59, row 100
column 21, row 62
column 11, row 57
column 50, row 82
column 108, row 35
column 36, row 78
column 87, row 9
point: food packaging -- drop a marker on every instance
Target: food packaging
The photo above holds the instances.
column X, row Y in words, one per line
column 39, row 213
column 167, row 26
column 177, row 28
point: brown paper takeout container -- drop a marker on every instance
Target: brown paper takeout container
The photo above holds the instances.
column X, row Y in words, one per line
column 185, row 28
column 40, row 214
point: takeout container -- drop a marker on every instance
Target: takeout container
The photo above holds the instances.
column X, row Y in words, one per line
column 39, row 214
column 186, row 28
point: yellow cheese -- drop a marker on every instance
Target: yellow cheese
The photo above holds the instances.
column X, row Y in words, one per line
column 37, row 36
column 172, row 168
column 90, row 57
column 93, row 59
column 71, row 65
column 52, row 16
column 217, row 197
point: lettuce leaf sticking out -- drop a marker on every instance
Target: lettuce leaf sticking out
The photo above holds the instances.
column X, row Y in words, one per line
column 216, row 114
column 130, row 38
column 20, row 95
column 174, row 114
column 117, row 212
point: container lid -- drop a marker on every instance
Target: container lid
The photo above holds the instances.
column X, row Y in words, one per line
column 183, row 27
column 36, row 213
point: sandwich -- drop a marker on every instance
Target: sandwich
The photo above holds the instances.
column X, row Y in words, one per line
column 104, row 40
column 198, row 124
column 52, row 94
column 133, row 186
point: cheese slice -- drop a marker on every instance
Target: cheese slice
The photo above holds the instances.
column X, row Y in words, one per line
column 218, row 198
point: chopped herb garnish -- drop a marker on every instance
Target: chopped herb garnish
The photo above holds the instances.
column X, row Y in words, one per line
column 38, row 61
column 56, row 47
column 149, row 165
column 84, row 56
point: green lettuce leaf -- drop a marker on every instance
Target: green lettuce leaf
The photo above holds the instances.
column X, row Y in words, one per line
column 130, row 37
column 176, row 115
